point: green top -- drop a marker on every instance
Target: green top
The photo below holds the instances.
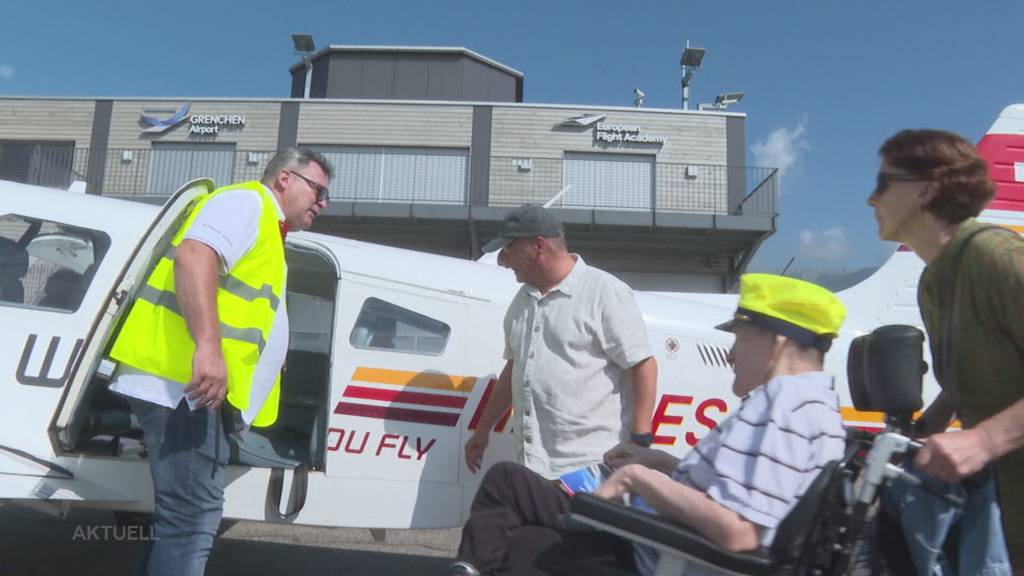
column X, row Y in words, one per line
column 988, row 341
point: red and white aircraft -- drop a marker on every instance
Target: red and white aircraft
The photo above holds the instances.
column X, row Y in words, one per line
column 392, row 355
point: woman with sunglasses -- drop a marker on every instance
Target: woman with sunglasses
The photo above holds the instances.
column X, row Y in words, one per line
column 931, row 186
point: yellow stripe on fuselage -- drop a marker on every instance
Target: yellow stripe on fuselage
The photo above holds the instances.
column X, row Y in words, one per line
column 852, row 415
column 403, row 378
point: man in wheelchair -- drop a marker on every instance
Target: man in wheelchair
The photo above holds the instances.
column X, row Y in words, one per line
column 734, row 486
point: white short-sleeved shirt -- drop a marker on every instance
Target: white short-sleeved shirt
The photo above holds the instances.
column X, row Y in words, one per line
column 229, row 224
column 571, row 351
column 759, row 461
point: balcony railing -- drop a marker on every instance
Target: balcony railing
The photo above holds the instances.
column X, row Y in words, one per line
column 630, row 183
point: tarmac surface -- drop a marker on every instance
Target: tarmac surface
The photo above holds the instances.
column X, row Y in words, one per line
column 89, row 542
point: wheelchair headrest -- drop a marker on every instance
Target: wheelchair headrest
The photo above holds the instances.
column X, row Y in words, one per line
column 885, row 369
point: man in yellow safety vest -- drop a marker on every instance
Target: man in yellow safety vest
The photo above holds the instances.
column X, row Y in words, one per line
column 210, row 325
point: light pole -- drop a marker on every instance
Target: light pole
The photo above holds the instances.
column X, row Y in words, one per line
column 304, row 46
column 690, row 63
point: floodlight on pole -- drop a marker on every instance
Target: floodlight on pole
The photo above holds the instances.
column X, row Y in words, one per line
column 690, row 62
column 728, row 98
column 305, row 47
column 723, row 101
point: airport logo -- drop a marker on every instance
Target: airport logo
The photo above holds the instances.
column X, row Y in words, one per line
column 157, row 121
column 583, row 120
column 153, row 124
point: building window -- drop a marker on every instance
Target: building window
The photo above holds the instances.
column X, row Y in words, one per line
column 602, row 180
column 40, row 163
column 173, row 164
column 46, row 264
column 395, row 174
column 385, row 326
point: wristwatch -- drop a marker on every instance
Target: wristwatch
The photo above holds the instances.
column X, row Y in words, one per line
column 645, row 439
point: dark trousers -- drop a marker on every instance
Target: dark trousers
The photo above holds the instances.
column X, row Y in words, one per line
column 515, row 529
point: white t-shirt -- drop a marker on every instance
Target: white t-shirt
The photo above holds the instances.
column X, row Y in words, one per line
column 229, row 224
column 571, row 351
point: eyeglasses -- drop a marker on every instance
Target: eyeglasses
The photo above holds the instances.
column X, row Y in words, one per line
column 322, row 193
column 886, row 179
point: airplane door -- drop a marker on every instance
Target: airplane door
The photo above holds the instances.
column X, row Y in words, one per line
column 73, row 409
column 398, row 400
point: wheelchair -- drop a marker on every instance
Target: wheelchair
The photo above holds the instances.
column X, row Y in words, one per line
column 830, row 526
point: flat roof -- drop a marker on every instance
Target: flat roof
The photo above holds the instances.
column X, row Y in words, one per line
column 415, row 49
column 376, row 101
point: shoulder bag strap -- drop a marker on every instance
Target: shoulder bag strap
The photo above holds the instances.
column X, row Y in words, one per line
column 946, row 376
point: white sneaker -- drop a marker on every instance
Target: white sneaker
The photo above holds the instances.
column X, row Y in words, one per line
column 462, row 569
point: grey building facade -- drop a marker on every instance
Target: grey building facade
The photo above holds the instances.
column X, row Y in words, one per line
column 425, row 160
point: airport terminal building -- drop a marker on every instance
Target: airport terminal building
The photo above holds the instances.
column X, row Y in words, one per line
column 431, row 148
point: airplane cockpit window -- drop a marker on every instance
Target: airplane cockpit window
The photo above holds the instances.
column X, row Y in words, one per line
column 46, row 264
column 385, row 326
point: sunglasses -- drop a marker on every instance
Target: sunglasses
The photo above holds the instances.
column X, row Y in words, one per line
column 886, row 179
column 322, row 193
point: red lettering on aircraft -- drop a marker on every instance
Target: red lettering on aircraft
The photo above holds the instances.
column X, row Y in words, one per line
column 704, row 420
column 663, row 417
column 401, row 449
column 401, row 446
column 385, row 444
column 348, row 445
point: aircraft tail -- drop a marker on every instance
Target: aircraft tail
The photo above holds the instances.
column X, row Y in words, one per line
column 1003, row 147
column 889, row 296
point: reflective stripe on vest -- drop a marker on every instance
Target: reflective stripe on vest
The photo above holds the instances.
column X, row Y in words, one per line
column 236, row 287
column 170, row 301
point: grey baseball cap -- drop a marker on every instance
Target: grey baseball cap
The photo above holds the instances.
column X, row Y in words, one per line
column 527, row 221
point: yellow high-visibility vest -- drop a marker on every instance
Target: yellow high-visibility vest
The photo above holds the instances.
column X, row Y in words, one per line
column 155, row 337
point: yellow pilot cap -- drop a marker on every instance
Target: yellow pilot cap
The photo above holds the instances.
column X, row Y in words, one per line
column 804, row 312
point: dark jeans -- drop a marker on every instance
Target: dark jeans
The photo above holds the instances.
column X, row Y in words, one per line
column 515, row 529
column 929, row 521
column 187, row 455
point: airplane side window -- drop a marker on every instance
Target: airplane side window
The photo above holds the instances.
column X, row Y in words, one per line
column 47, row 265
column 385, row 326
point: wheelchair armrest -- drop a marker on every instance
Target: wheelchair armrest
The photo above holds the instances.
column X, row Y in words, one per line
column 668, row 536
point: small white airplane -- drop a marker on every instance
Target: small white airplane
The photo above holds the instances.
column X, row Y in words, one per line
column 392, row 356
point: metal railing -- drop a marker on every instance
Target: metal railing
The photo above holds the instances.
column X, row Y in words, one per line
column 638, row 183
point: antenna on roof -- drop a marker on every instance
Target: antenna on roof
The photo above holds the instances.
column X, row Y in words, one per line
column 557, row 196
column 786, row 268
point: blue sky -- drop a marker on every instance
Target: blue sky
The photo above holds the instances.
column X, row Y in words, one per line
column 826, row 81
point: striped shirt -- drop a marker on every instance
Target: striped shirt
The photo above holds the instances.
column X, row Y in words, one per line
column 759, row 461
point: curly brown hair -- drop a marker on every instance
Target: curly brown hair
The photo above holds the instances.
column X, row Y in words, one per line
column 950, row 163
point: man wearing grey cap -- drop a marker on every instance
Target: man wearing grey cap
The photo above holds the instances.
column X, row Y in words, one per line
column 579, row 370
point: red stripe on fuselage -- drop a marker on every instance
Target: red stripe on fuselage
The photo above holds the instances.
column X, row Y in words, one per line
column 402, row 414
